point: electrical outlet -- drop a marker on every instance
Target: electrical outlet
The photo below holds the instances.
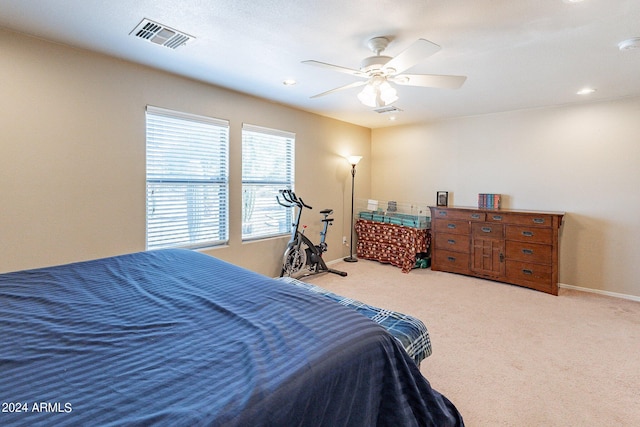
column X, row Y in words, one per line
column 344, row 240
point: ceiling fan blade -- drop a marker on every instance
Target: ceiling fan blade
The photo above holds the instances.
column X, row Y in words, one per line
column 349, row 86
column 338, row 68
column 429, row 80
column 409, row 57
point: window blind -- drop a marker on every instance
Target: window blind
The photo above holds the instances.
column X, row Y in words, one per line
column 267, row 166
column 187, row 179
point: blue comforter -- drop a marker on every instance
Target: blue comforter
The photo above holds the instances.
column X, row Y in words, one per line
column 410, row 331
column 179, row 338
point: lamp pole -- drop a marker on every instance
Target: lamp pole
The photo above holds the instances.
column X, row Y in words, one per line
column 353, row 160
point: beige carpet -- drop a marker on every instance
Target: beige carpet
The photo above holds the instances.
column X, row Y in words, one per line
column 509, row 356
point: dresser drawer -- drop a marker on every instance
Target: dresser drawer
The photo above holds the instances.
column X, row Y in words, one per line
column 452, row 242
column 457, row 262
column 462, row 215
column 528, row 252
column 498, row 217
column 521, row 219
column 527, row 272
column 451, row 226
column 487, row 230
column 529, row 234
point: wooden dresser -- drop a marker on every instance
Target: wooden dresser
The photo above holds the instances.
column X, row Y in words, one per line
column 511, row 246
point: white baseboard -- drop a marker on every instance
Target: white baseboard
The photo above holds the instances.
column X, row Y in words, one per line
column 598, row 291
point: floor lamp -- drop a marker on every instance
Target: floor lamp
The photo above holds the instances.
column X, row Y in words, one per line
column 353, row 160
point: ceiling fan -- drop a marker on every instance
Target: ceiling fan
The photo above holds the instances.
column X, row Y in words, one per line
column 379, row 71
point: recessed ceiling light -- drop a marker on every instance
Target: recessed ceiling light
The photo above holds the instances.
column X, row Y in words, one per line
column 289, row 82
column 585, row 91
column 629, row 44
column 572, row 1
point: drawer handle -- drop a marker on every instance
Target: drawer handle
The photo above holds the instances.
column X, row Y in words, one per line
column 475, row 216
column 497, row 217
column 527, row 251
column 527, row 233
column 450, row 258
column 527, row 272
column 538, row 220
column 451, row 242
column 486, row 229
column 442, row 213
column 451, row 226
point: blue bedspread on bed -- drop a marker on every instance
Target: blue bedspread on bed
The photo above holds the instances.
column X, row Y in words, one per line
column 411, row 332
column 179, row 338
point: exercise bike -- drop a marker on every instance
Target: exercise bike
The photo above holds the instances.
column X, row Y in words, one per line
column 301, row 252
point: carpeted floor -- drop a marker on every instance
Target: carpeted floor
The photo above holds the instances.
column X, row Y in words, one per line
column 510, row 356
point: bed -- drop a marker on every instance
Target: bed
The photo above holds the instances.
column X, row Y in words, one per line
column 179, row 338
column 410, row 331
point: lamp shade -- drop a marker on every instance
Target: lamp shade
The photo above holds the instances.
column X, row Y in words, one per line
column 353, row 160
column 368, row 96
column 388, row 94
column 378, row 93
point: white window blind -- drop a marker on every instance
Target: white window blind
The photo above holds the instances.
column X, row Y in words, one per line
column 267, row 166
column 187, row 179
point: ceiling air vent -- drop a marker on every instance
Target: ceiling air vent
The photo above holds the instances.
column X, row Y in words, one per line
column 160, row 34
column 387, row 109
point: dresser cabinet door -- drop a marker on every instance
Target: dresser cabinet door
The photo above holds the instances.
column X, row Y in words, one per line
column 487, row 257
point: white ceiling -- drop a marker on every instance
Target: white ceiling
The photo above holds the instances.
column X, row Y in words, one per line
column 515, row 53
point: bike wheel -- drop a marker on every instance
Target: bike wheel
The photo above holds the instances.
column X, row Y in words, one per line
column 294, row 259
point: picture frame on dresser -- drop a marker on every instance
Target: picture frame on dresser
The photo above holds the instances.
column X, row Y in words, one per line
column 442, row 198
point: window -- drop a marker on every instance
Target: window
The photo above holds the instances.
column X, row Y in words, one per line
column 267, row 166
column 187, row 179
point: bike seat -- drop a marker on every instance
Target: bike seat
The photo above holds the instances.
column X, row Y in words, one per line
column 326, row 211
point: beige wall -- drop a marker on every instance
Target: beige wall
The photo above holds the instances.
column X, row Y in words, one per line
column 583, row 159
column 72, row 164
column 72, row 156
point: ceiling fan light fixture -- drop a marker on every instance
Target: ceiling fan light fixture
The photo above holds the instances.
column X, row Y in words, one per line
column 368, row 95
column 378, row 93
column 388, row 94
column 379, row 71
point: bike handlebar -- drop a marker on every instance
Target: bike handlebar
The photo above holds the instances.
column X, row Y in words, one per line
column 292, row 200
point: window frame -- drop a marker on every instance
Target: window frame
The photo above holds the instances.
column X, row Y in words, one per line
column 185, row 135
column 253, row 134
